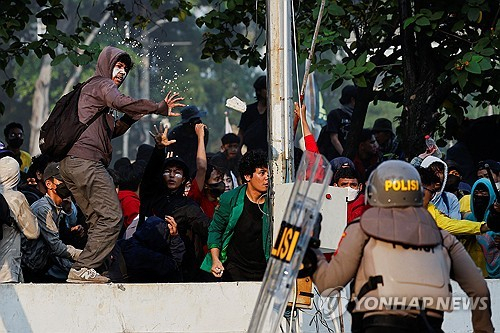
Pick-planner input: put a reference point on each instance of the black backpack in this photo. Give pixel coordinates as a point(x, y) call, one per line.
point(63, 127)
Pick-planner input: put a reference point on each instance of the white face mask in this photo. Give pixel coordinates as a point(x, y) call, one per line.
point(352, 194)
point(121, 71)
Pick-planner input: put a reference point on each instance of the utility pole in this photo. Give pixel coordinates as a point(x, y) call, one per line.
point(279, 92)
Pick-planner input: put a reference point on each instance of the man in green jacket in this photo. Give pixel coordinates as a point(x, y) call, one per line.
point(239, 237)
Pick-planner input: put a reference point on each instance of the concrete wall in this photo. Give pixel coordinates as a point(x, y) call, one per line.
point(209, 307)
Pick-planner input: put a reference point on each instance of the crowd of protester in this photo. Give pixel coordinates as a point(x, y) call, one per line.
point(189, 215)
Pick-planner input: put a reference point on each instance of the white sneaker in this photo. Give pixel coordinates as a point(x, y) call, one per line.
point(85, 275)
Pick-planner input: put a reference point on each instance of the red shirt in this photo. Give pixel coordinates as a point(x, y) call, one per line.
point(206, 205)
point(356, 208)
point(311, 144)
point(130, 203)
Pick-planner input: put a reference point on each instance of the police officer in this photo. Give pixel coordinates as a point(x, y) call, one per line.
point(401, 262)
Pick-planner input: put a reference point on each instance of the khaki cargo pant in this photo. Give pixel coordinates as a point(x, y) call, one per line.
point(94, 192)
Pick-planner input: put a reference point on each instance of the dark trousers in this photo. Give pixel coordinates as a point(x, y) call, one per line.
point(234, 273)
point(94, 192)
point(396, 324)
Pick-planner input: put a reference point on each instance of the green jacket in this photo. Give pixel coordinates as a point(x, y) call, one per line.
point(226, 216)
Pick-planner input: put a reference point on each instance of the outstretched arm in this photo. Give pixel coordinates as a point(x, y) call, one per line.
point(152, 179)
point(201, 156)
point(300, 114)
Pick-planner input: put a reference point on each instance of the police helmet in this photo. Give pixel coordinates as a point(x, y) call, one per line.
point(394, 184)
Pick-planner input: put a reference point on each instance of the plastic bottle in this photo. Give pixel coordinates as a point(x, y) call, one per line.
point(431, 144)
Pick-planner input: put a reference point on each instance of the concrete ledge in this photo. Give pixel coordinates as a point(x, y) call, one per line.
point(208, 307)
point(195, 307)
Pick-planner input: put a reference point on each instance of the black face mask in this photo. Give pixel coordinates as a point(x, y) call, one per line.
point(480, 205)
point(63, 191)
point(216, 189)
point(452, 183)
point(16, 143)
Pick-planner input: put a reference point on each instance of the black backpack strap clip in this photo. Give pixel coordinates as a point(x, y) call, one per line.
point(371, 284)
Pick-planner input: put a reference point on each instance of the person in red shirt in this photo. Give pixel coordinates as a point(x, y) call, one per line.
point(208, 184)
point(128, 191)
point(300, 116)
point(347, 177)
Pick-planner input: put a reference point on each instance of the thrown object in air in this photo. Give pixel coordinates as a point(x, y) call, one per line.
point(236, 104)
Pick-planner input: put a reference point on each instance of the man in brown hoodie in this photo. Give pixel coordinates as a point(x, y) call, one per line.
point(84, 169)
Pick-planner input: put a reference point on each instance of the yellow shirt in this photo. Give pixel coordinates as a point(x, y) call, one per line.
point(465, 204)
point(454, 227)
point(26, 161)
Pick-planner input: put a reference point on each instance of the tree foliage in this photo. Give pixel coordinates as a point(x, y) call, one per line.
point(429, 57)
point(174, 49)
point(18, 43)
point(425, 56)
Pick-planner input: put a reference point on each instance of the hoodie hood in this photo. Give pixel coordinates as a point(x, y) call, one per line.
point(9, 174)
point(426, 162)
point(492, 198)
point(154, 235)
point(107, 60)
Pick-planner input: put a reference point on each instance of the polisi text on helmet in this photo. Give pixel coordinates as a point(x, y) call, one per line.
point(402, 185)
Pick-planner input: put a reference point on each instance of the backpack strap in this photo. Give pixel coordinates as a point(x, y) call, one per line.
point(371, 284)
point(98, 113)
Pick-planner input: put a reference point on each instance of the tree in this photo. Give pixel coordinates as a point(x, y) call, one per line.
point(59, 44)
point(428, 56)
point(178, 67)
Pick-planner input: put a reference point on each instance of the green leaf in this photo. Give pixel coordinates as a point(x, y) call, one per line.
point(458, 26)
point(408, 21)
point(375, 29)
point(57, 60)
point(52, 44)
point(426, 12)
point(481, 44)
point(462, 79)
point(437, 15)
point(19, 60)
point(370, 66)
point(84, 59)
point(335, 9)
point(485, 64)
point(473, 68)
point(73, 58)
point(336, 84)
point(358, 70)
point(423, 21)
point(9, 86)
point(476, 58)
point(362, 59)
point(468, 56)
point(231, 5)
point(340, 69)
point(360, 82)
point(487, 52)
point(350, 64)
point(473, 14)
point(327, 84)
